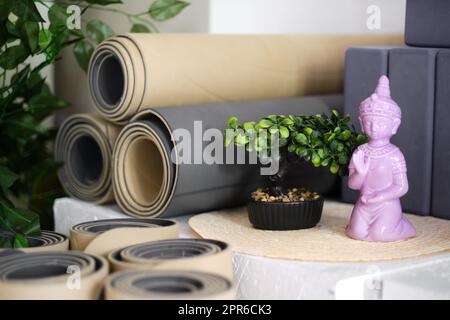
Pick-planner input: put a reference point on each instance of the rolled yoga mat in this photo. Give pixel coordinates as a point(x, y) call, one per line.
point(147, 183)
point(52, 275)
point(203, 255)
point(100, 237)
point(167, 285)
point(133, 72)
point(84, 144)
point(46, 241)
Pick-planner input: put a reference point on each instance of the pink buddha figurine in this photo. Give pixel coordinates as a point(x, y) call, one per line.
point(378, 170)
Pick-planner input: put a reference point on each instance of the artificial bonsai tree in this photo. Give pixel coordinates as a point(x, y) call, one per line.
point(326, 141)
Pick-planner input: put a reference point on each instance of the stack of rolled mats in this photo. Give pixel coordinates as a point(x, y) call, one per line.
point(150, 90)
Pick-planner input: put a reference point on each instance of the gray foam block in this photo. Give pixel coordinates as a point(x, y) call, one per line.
point(363, 68)
point(412, 78)
point(440, 203)
point(427, 23)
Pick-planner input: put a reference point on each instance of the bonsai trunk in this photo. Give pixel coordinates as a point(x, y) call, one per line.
point(275, 187)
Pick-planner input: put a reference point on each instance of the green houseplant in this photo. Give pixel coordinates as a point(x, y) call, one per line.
point(28, 45)
point(322, 140)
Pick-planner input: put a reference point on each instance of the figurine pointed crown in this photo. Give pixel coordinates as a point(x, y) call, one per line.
point(380, 102)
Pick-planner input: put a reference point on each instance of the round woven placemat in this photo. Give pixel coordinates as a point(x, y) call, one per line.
point(326, 242)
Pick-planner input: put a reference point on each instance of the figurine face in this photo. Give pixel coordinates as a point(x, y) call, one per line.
point(379, 127)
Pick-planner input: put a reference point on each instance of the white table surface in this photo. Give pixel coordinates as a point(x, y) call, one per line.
point(266, 278)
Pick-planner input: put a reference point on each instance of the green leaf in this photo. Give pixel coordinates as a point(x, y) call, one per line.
point(5, 9)
point(321, 153)
point(46, 103)
point(287, 122)
point(315, 159)
point(227, 141)
point(284, 132)
point(334, 114)
point(83, 51)
point(27, 11)
point(343, 159)
point(345, 135)
point(162, 10)
point(249, 126)
point(292, 147)
point(45, 37)
point(13, 29)
point(265, 123)
point(241, 140)
point(361, 138)
point(98, 31)
point(301, 138)
point(20, 241)
point(139, 28)
point(334, 168)
point(233, 122)
point(274, 129)
point(308, 131)
point(57, 15)
point(26, 124)
point(30, 35)
point(331, 137)
point(334, 145)
point(21, 76)
point(3, 33)
point(301, 152)
point(22, 221)
point(13, 56)
point(325, 162)
point(7, 177)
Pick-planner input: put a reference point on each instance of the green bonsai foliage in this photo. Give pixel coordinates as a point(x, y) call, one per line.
point(323, 140)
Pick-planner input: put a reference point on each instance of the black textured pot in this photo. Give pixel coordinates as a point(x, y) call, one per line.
point(285, 215)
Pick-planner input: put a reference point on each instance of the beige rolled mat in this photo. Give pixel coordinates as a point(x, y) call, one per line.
point(100, 237)
point(167, 285)
point(57, 275)
point(203, 255)
point(84, 144)
point(46, 241)
point(132, 72)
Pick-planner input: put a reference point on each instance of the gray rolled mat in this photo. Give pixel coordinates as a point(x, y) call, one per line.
point(203, 255)
point(8, 252)
point(441, 154)
point(102, 236)
point(147, 183)
point(84, 144)
point(52, 275)
point(164, 285)
point(46, 241)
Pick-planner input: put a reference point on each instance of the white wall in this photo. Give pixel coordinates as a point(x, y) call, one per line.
point(303, 16)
